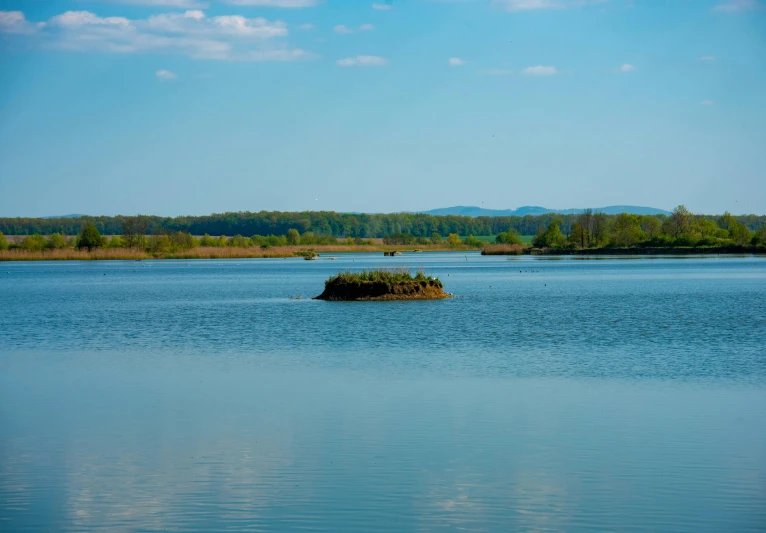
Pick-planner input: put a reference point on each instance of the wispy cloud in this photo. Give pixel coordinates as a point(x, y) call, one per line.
point(306, 27)
point(707, 58)
point(707, 102)
point(627, 67)
point(275, 3)
point(496, 72)
point(363, 61)
point(179, 4)
point(165, 75)
point(535, 5)
point(539, 71)
point(190, 33)
point(731, 6)
point(456, 62)
point(342, 29)
point(382, 7)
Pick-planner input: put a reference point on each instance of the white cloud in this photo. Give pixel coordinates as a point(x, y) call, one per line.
point(707, 102)
point(190, 33)
point(363, 61)
point(627, 67)
point(180, 4)
point(15, 22)
point(534, 5)
point(258, 27)
point(306, 27)
point(165, 75)
point(86, 18)
point(731, 6)
point(707, 58)
point(382, 7)
point(496, 72)
point(275, 3)
point(540, 71)
point(455, 61)
point(345, 30)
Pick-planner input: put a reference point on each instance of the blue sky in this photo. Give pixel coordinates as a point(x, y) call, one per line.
point(177, 107)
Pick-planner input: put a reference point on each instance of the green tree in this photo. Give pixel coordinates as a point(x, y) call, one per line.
point(56, 241)
point(551, 237)
point(600, 229)
point(34, 243)
point(759, 237)
point(293, 237)
point(587, 223)
point(159, 243)
point(579, 235)
point(679, 222)
point(509, 237)
point(182, 240)
point(627, 230)
point(207, 240)
point(3, 242)
point(739, 233)
point(707, 228)
point(649, 225)
point(436, 238)
point(453, 240)
point(117, 242)
point(238, 241)
point(473, 242)
point(89, 237)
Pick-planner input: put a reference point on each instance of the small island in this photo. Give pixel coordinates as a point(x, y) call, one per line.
point(382, 284)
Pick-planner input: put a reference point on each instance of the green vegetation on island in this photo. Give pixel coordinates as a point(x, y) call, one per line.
point(382, 284)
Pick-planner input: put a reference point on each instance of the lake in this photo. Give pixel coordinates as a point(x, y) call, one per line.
point(551, 394)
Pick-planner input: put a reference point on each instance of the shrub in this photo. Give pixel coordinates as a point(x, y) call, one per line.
point(453, 240)
point(34, 243)
point(509, 237)
point(56, 241)
point(293, 237)
point(473, 242)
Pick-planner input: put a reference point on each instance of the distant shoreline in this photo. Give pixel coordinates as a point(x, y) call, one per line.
point(327, 252)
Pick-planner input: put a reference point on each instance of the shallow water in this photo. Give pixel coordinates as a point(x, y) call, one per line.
point(548, 395)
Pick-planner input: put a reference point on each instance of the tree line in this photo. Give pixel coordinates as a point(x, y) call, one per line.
point(680, 229)
point(588, 230)
point(324, 223)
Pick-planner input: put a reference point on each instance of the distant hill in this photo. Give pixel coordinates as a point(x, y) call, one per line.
point(65, 216)
point(473, 211)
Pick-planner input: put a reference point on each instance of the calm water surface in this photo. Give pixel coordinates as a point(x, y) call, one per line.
point(548, 395)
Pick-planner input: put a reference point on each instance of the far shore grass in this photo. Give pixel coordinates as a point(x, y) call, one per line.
point(212, 252)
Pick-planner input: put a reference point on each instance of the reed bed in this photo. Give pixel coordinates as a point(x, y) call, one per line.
point(210, 252)
point(503, 249)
